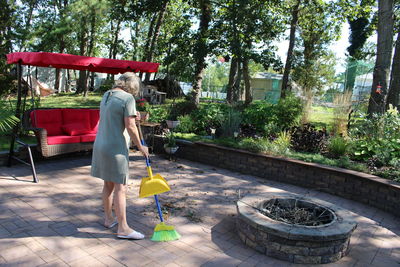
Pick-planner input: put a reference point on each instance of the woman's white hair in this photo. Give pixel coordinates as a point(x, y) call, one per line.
point(130, 83)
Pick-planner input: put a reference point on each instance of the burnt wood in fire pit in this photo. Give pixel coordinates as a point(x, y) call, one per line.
point(295, 228)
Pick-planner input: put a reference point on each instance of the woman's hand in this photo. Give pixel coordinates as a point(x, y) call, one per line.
point(145, 151)
point(138, 116)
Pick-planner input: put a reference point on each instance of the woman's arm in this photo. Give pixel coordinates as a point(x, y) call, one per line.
point(130, 125)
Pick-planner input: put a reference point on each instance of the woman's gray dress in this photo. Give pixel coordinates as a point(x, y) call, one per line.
point(110, 160)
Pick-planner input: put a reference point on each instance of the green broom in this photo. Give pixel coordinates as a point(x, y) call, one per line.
point(163, 232)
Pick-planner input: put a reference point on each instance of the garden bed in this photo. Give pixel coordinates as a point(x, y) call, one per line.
point(365, 188)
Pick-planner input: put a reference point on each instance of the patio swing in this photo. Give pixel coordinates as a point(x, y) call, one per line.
point(61, 61)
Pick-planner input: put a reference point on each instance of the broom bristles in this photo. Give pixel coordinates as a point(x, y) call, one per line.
point(164, 232)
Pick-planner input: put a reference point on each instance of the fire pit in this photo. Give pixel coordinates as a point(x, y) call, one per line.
point(294, 228)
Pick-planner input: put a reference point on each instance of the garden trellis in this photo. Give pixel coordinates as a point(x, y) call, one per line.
point(65, 61)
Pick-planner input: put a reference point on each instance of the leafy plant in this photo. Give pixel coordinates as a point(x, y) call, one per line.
point(170, 139)
point(337, 146)
point(255, 145)
point(230, 123)
point(307, 138)
point(186, 125)
point(282, 142)
point(377, 136)
point(285, 114)
point(208, 116)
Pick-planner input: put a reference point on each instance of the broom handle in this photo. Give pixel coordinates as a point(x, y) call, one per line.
point(144, 144)
point(150, 173)
point(158, 208)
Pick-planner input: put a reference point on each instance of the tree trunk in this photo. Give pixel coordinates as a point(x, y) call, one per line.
point(81, 86)
point(236, 87)
point(29, 16)
point(383, 57)
point(394, 89)
point(246, 78)
point(149, 37)
point(351, 75)
point(201, 49)
point(292, 38)
point(233, 71)
point(154, 39)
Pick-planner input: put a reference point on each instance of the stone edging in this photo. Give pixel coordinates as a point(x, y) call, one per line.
point(365, 188)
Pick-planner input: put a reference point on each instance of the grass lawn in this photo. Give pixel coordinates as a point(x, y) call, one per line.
point(5, 141)
point(321, 117)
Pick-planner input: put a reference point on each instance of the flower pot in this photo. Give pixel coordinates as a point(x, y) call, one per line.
point(170, 150)
point(172, 124)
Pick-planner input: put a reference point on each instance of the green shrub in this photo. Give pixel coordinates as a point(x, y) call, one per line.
point(158, 113)
point(337, 146)
point(208, 115)
point(378, 136)
point(288, 111)
point(259, 113)
point(285, 114)
point(186, 125)
point(255, 145)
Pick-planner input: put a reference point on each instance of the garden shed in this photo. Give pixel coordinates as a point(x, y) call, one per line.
point(266, 86)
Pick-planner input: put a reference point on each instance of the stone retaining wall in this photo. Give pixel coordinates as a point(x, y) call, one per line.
point(365, 188)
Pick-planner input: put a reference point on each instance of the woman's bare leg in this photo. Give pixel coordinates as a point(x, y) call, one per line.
point(107, 196)
point(120, 209)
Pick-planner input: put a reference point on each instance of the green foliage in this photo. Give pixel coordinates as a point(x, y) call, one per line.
point(288, 111)
point(337, 146)
point(170, 139)
point(255, 145)
point(262, 114)
point(377, 136)
point(208, 115)
point(158, 113)
point(282, 143)
point(186, 124)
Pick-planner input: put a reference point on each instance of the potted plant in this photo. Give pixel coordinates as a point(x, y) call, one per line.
point(170, 146)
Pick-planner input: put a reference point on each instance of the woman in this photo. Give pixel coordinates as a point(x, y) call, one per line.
point(110, 152)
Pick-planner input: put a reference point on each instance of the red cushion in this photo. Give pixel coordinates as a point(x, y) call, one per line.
point(88, 138)
point(62, 139)
point(76, 128)
point(76, 115)
point(49, 119)
point(94, 119)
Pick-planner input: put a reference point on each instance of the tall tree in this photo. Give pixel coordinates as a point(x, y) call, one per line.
point(289, 56)
point(394, 89)
point(314, 62)
point(156, 33)
point(381, 73)
point(361, 28)
point(201, 49)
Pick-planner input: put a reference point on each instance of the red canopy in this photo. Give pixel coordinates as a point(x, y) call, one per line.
point(93, 64)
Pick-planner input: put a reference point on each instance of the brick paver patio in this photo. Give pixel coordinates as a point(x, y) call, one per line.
point(58, 221)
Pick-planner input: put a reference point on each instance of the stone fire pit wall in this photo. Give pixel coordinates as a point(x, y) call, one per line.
point(369, 189)
point(294, 243)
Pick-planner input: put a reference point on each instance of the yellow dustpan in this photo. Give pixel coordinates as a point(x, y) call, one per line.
point(152, 185)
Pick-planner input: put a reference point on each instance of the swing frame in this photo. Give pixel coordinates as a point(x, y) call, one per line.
point(62, 61)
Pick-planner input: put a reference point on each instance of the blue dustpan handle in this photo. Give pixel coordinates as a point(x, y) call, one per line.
point(147, 159)
point(155, 196)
